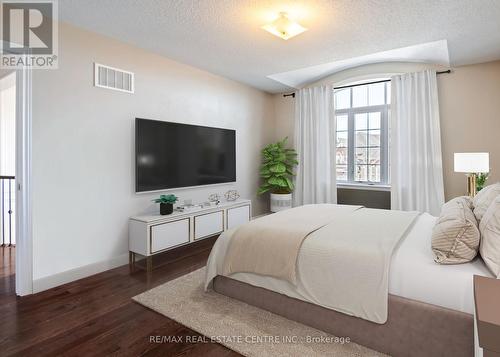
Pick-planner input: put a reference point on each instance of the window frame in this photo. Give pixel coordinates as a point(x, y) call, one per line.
point(383, 109)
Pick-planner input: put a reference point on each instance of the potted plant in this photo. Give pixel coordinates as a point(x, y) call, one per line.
point(166, 203)
point(277, 174)
point(481, 180)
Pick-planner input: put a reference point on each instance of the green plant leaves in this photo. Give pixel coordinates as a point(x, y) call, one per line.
point(277, 168)
point(166, 199)
point(481, 181)
point(264, 189)
point(277, 181)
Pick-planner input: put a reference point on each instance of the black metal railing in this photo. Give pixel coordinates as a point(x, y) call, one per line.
point(7, 197)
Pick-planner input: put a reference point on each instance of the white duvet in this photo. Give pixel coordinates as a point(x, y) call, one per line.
point(343, 266)
point(413, 273)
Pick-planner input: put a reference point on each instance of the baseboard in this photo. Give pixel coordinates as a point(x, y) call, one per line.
point(261, 215)
point(68, 276)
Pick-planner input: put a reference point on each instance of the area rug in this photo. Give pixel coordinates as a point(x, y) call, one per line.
point(243, 328)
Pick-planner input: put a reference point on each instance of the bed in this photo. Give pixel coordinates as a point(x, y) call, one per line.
point(429, 306)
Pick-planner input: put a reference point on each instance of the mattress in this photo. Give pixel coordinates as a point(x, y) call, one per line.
point(413, 274)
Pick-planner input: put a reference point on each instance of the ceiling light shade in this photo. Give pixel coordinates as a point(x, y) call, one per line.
point(283, 27)
point(472, 162)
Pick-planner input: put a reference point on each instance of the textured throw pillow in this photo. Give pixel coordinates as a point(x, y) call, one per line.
point(484, 198)
point(490, 237)
point(455, 236)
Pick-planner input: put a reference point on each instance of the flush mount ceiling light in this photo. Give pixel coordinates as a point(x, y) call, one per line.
point(283, 27)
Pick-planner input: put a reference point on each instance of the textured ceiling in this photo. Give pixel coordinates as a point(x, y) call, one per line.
point(224, 36)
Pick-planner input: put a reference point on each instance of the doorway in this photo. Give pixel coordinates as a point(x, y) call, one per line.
point(8, 103)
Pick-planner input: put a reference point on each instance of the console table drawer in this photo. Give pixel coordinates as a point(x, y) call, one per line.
point(238, 216)
point(170, 234)
point(207, 225)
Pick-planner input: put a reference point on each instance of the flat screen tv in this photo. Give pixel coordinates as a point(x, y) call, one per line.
point(172, 155)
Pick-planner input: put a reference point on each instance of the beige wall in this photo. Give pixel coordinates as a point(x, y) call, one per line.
point(469, 106)
point(469, 100)
point(83, 145)
point(284, 116)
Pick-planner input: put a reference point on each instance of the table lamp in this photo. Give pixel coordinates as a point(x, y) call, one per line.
point(472, 163)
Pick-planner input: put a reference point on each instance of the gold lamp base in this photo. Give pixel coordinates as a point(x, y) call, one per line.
point(471, 185)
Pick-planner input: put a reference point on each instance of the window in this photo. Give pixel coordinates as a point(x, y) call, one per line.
point(362, 133)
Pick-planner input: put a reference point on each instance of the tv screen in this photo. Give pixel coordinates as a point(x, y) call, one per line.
point(173, 155)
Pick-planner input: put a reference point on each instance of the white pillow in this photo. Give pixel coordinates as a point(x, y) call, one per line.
point(484, 198)
point(490, 237)
point(455, 236)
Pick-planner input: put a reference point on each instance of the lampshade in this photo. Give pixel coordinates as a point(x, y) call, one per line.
point(472, 162)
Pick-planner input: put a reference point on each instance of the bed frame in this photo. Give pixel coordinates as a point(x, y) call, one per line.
point(413, 328)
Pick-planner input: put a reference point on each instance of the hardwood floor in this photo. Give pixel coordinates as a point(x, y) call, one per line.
point(7, 277)
point(7, 261)
point(95, 316)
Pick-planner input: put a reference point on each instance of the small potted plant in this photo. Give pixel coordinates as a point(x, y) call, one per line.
point(481, 180)
point(277, 173)
point(166, 203)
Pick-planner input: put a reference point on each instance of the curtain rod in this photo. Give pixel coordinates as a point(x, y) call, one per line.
point(362, 84)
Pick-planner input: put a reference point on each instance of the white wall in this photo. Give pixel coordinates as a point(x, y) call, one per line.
point(83, 144)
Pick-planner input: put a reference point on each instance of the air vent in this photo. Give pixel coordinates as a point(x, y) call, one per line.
point(113, 78)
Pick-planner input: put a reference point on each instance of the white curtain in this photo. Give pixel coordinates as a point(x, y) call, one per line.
point(315, 144)
point(416, 161)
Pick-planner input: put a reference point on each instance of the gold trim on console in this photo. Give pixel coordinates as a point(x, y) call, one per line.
point(174, 246)
point(243, 205)
point(211, 234)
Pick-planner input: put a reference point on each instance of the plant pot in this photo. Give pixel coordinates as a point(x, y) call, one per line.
point(166, 208)
point(280, 201)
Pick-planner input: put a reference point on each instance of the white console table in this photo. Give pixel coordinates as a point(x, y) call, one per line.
point(150, 235)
